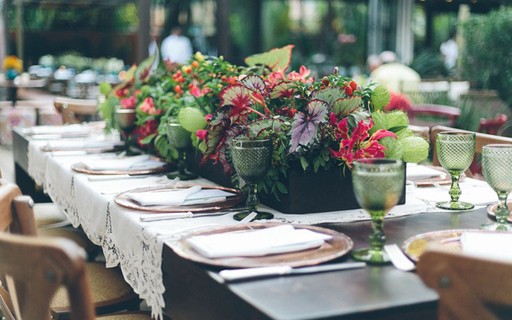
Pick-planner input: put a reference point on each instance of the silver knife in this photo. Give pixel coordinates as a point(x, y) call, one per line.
point(249, 273)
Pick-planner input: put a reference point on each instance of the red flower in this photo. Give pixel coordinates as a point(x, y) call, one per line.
point(398, 102)
point(201, 134)
point(359, 144)
point(148, 128)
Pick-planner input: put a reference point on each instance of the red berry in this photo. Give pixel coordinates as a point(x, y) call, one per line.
point(353, 85)
point(349, 91)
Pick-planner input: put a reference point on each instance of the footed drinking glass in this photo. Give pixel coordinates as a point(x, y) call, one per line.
point(124, 120)
point(455, 151)
point(252, 160)
point(378, 185)
point(180, 139)
point(496, 165)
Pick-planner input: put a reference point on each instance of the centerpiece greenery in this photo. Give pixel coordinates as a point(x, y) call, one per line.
point(314, 124)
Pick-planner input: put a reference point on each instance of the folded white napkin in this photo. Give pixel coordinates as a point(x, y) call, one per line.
point(272, 240)
point(79, 145)
point(488, 245)
point(72, 129)
point(165, 198)
point(142, 162)
point(419, 172)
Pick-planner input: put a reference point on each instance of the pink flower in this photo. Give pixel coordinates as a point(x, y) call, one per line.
point(128, 103)
point(148, 107)
point(208, 117)
point(302, 75)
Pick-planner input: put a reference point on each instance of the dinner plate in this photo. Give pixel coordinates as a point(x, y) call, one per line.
point(338, 246)
point(82, 168)
point(124, 200)
point(491, 211)
point(445, 240)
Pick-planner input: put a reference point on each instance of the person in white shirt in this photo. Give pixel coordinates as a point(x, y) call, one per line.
point(176, 48)
point(450, 52)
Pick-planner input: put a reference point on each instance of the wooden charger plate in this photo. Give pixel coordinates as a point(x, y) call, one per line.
point(446, 240)
point(123, 200)
point(338, 246)
point(82, 168)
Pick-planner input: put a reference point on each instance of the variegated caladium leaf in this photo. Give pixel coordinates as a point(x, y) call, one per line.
point(329, 95)
point(276, 59)
point(346, 106)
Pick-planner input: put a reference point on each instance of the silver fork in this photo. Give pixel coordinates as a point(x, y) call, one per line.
point(398, 258)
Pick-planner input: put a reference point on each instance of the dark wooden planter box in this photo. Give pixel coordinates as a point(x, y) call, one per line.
point(308, 192)
point(326, 190)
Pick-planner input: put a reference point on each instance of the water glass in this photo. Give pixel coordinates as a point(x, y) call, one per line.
point(378, 186)
point(455, 151)
point(496, 165)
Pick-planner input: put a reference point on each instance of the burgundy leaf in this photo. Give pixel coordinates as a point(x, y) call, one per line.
point(304, 127)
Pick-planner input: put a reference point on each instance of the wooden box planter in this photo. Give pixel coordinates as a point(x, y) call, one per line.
point(308, 192)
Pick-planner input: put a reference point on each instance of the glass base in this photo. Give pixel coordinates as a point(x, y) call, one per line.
point(183, 176)
point(261, 215)
point(371, 256)
point(496, 227)
point(449, 205)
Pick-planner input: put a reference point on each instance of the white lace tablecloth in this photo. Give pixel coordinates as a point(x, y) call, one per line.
point(137, 246)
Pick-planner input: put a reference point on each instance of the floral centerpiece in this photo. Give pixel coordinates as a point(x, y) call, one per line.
point(13, 66)
point(314, 125)
point(188, 92)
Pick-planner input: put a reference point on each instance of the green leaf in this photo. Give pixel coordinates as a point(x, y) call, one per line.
point(304, 163)
point(281, 187)
point(275, 59)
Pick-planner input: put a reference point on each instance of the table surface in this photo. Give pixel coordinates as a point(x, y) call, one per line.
point(194, 291)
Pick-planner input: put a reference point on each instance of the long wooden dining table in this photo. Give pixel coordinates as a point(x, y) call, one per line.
point(184, 289)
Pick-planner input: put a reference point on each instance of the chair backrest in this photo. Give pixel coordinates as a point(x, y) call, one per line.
point(468, 288)
point(482, 139)
point(493, 125)
point(33, 268)
point(76, 110)
point(433, 113)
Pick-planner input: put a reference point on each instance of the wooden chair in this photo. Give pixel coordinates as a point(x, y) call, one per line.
point(51, 221)
point(493, 125)
point(109, 292)
point(468, 288)
point(76, 110)
point(482, 139)
point(432, 114)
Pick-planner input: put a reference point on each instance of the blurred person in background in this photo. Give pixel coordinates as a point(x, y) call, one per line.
point(450, 51)
point(176, 48)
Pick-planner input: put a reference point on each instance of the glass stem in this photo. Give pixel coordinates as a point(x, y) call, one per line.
point(377, 238)
point(182, 162)
point(252, 197)
point(502, 210)
point(454, 188)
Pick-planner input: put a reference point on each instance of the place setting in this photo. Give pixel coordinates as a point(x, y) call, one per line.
point(120, 165)
point(489, 239)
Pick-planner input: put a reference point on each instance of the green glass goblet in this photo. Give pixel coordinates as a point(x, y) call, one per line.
point(455, 151)
point(378, 185)
point(252, 160)
point(496, 164)
point(181, 140)
point(124, 120)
